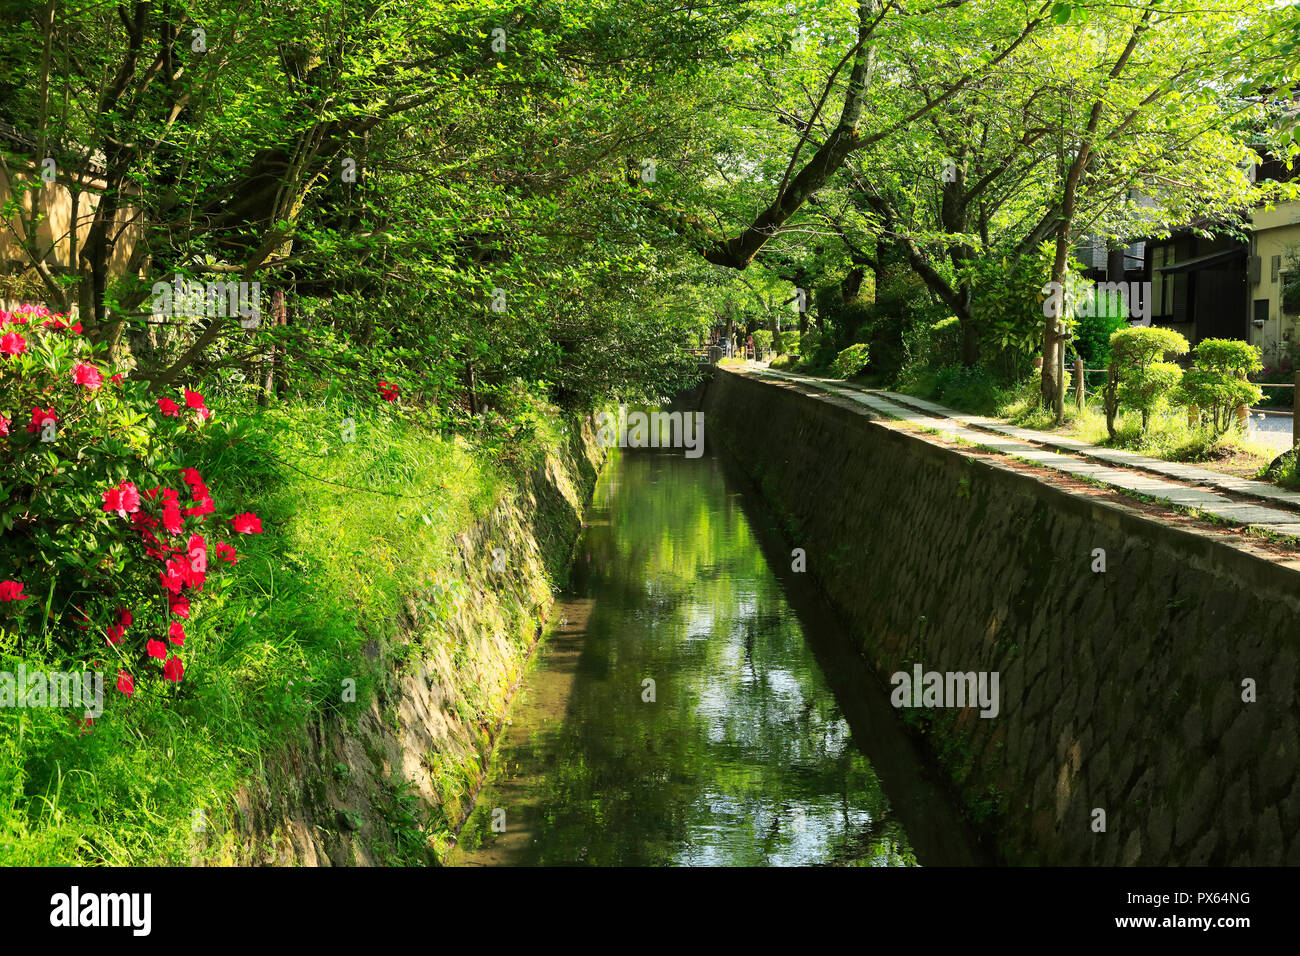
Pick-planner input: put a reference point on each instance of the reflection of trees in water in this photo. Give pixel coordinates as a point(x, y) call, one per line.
point(744, 758)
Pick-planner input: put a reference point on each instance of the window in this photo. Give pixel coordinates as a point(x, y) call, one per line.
point(1162, 283)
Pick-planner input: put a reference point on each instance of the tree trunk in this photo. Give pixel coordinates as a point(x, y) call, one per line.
point(282, 355)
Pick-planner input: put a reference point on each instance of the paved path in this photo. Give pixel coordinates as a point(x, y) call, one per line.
point(1271, 428)
point(1168, 481)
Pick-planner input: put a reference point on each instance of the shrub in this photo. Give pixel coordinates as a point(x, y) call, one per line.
point(969, 388)
point(851, 361)
point(810, 343)
point(930, 345)
point(1138, 377)
point(763, 341)
point(785, 343)
point(1217, 384)
point(93, 523)
point(1092, 334)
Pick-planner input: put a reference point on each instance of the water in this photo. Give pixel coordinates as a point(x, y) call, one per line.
point(746, 754)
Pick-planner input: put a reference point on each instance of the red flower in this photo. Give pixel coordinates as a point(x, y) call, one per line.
point(88, 376)
point(40, 417)
point(225, 552)
point(173, 669)
point(173, 579)
point(205, 507)
point(169, 407)
point(156, 649)
point(125, 683)
point(194, 579)
point(77, 328)
point(191, 477)
point(247, 523)
point(123, 499)
point(176, 632)
point(117, 378)
point(142, 520)
point(11, 343)
point(198, 552)
point(389, 392)
point(153, 547)
point(170, 494)
point(180, 606)
point(172, 518)
point(116, 631)
point(195, 401)
point(4, 425)
point(12, 591)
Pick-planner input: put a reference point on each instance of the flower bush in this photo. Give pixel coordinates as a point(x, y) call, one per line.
point(102, 522)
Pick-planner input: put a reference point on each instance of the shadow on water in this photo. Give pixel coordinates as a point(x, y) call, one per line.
point(697, 703)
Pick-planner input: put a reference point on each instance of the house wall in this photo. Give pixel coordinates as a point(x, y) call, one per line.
point(1277, 231)
point(55, 230)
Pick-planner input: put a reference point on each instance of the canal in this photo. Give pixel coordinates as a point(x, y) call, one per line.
point(695, 703)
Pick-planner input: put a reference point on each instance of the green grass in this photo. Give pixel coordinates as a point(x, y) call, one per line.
point(1168, 437)
point(351, 529)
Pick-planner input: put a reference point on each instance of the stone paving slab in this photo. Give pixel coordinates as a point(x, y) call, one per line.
point(1026, 444)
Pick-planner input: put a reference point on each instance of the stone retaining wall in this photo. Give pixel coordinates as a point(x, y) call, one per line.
point(1120, 691)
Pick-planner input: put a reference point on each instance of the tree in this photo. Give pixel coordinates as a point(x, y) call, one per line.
point(1138, 376)
point(1217, 383)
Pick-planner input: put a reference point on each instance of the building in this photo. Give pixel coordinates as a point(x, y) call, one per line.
point(1274, 273)
point(57, 215)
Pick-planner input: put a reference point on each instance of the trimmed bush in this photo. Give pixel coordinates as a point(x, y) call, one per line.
point(1138, 375)
point(1217, 384)
point(851, 361)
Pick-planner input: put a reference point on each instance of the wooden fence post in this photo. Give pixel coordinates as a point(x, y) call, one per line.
point(1295, 406)
point(1078, 384)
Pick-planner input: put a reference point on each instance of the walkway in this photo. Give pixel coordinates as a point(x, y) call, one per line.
point(1182, 485)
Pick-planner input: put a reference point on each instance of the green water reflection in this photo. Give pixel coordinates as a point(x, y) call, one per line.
point(743, 758)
